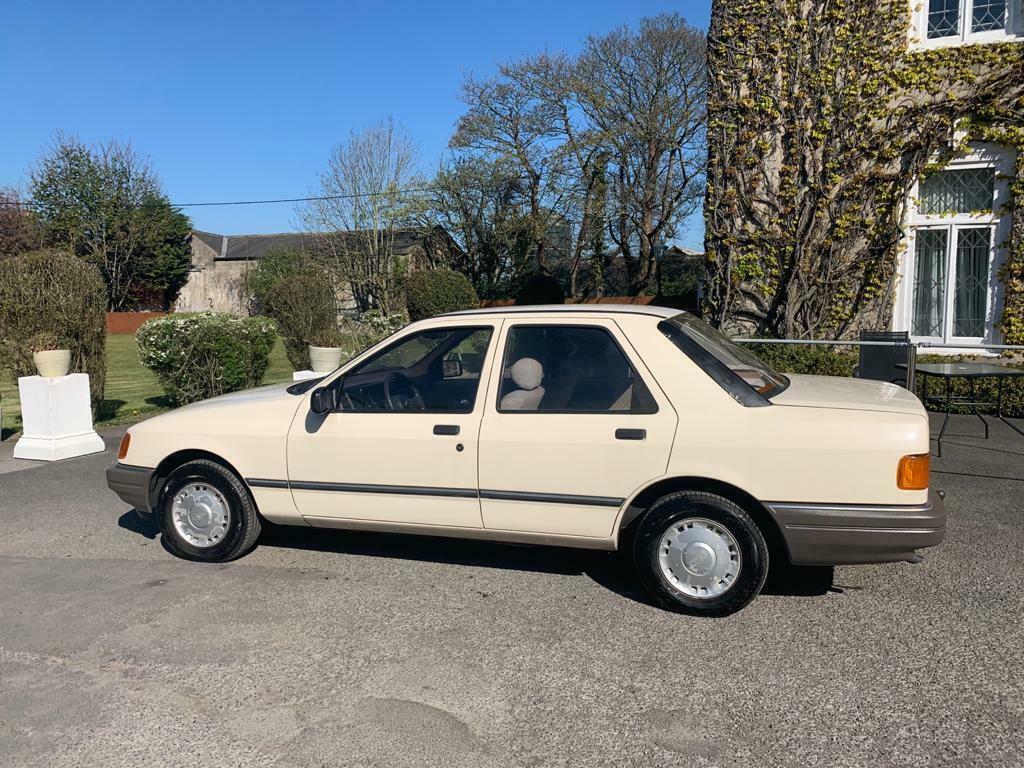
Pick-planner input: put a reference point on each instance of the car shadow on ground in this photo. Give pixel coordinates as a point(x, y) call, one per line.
point(610, 570)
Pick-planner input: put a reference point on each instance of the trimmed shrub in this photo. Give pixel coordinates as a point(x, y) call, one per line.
point(54, 294)
point(540, 288)
point(200, 355)
point(305, 309)
point(274, 265)
point(436, 291)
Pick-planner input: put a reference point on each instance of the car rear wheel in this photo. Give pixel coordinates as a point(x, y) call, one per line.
point(206, 513)
point(700, 553)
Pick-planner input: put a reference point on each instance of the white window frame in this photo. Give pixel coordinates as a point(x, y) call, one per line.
point(1002, 160)
point(919, 39)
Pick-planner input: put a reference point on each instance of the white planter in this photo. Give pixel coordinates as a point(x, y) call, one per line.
point(324, 359)
point(52, 362)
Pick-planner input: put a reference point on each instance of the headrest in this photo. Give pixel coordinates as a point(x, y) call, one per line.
point(527, 373)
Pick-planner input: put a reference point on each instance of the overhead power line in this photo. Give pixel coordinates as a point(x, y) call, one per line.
point(317, 198)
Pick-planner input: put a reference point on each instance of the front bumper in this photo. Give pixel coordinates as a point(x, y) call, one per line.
point(850, 534)
point(131, 484)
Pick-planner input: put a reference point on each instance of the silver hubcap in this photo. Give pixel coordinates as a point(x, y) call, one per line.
point(201, 515)
point(699, 557)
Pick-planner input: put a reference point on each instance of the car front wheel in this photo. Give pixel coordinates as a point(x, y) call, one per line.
point(700, 553)
point(206, 513)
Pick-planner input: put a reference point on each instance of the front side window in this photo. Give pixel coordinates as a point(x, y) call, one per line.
point(946, 21)
point(433, 371)
point(738, 370)
point(569, 369)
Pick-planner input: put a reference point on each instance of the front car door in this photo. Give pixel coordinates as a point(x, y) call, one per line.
point(402, 445)
point(574, 424)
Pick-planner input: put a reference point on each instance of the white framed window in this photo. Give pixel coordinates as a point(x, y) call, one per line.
point(955, 22)
point(956, 230)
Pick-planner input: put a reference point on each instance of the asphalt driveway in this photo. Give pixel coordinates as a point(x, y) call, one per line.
point(344, 649)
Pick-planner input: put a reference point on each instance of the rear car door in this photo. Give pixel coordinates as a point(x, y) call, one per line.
point(574, 423)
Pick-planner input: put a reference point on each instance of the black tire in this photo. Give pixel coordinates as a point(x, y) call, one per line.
point(243, 527)
point(675, 509)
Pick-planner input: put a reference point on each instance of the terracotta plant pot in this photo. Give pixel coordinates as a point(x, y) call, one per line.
point(324, 359)
point(52, 362)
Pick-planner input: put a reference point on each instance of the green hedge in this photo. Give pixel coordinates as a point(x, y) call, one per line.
point(59, 296)
point(434, 292)
point(202, 355)
point(814, 360)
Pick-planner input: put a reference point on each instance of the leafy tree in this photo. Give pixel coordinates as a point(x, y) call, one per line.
point(479, 203)
point(18, 230)
point(105, 205)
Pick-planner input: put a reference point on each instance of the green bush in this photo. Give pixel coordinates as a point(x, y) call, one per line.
point(436, 291)
point(366, 330)
point(540, 288)
point(305, 309)
point(54, 294)
point(200, 355)
point(815, 360)
point(275, 264)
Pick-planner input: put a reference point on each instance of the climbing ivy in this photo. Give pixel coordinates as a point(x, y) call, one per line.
point(822, 116)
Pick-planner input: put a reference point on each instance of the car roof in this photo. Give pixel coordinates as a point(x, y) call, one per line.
point(574, 309)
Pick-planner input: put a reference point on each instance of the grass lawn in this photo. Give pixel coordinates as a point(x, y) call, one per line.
point(132, 391)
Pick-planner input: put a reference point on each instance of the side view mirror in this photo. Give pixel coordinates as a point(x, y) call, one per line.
point(323, 400)
point(451, 369)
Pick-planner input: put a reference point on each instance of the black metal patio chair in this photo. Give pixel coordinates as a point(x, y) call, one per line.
point(885, 363)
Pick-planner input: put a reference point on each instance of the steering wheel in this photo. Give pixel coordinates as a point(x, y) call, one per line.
point(402, 394)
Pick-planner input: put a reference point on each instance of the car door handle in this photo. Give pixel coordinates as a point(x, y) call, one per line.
point(446, 429)
point(630, 434)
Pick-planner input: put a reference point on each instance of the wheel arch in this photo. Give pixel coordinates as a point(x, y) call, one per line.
point(646, 497)
point(178, 458)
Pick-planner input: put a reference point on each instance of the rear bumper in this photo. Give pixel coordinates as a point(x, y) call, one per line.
point(131, 484)
point(848, 534)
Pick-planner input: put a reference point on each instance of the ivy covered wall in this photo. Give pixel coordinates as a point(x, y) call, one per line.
point(821, 118)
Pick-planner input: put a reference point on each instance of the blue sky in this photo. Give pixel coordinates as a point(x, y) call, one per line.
point(236, 101)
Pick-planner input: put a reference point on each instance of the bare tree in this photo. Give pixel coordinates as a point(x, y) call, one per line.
point(366, 195)
point(510, 123)
point(644, 94)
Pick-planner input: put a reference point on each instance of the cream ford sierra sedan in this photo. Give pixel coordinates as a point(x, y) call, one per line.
point(590, 426)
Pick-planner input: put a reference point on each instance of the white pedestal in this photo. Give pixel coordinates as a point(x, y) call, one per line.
point(56, 418)
point(306, 375)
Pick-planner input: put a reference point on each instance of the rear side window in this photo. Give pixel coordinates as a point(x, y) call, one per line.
point(569, 369)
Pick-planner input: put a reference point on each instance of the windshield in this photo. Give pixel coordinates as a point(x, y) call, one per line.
point(747, 366)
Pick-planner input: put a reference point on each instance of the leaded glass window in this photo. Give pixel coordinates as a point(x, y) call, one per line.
point(973, 245)
point(943, 18)
point(930, 282)
point(968, 190)
point(988, 15)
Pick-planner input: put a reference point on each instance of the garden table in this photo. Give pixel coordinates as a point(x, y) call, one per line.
point(971, 372)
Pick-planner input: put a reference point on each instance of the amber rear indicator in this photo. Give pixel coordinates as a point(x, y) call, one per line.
point(122, 451)
point(912, 474)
